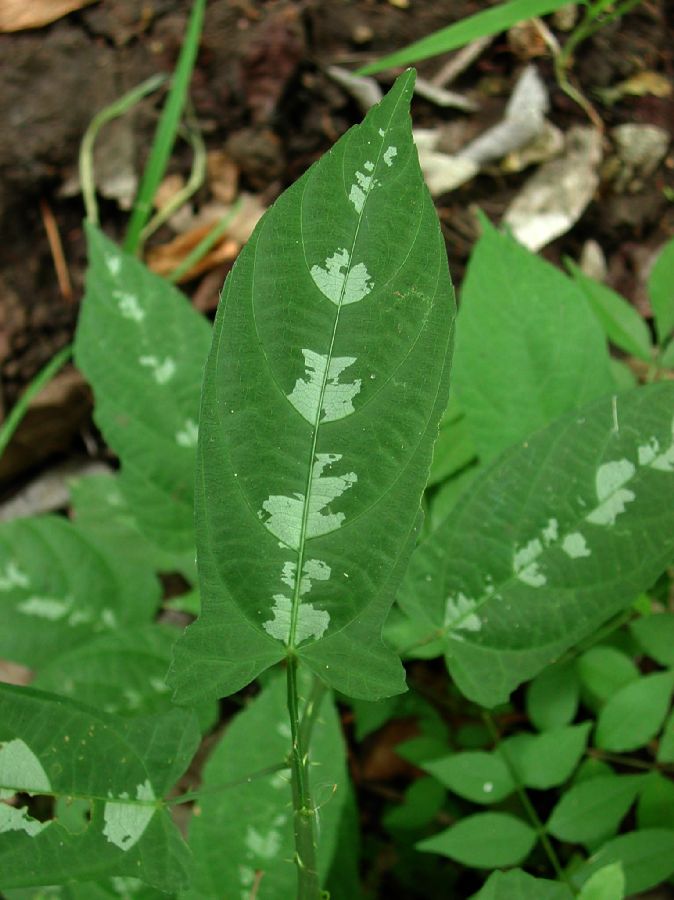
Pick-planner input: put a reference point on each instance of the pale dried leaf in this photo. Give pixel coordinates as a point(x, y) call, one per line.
point(17, 15)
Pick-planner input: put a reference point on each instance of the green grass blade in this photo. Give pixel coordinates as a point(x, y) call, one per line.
point(167, 129)
point(490, 21)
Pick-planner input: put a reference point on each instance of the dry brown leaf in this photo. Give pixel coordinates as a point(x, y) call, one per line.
point(167, 257)
point(223, 176)
point(18, 15)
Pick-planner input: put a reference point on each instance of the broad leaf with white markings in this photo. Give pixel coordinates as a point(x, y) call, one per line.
point(326, 380)
point(122, 768)
point(556, 536)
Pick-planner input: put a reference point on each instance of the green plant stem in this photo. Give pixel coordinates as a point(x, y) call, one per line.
point(527, 804)
point(20, 408)
point(196, 179)
point(86, 157)
point(189, 796)
point(304, 815)
point(205, 244)
point(167, 129)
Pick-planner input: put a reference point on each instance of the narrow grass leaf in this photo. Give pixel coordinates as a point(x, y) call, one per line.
point(549, 542)
point(634, 715)
point(647, 858)
point(322, 396)
point(253, 820)
point(484, 841)
point(623, 325)
point(122, 768)
point(593, 809)
point(142, 346)
point(528, 348)
point(60, 588)
point(487, 22)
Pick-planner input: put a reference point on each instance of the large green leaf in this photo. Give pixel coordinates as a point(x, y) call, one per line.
point(59, 587)
point(593, 809)
point(528, 348)
point(485, 841)
point(122, 767)
point(252, 821)
point(322, 395)
point(142, 347)
point(121, 672)
point(554, 538)
point(661, 289)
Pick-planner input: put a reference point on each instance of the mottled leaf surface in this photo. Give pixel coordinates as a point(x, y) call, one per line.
point(528, 347)
point(142, 347)
point(253, 820)
point(59, 588)
point(322, 395)
point(122, 768)
point(554, 538)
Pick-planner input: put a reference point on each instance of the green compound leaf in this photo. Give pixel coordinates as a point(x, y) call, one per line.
point(655, 808)
point(322, 396)
point(545, 760)
point(606, 884)
point(647, 858)
point(553, 696)
point(661, 290)
point(635, 713)
point(519, 885)
point(666, 746)
point(528, 348)
point(248, 829)
point(623, 325)
point(121, 767)
point(142, 346)
point(478, 776)
point(655, 635)
point(603, 671)
point(554, 538)
point(592, 809)
point(59, 588)
point(484, 841)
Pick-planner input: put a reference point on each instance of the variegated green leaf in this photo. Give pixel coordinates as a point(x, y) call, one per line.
point(121, 767)
point(322, 395)
point(556, 536)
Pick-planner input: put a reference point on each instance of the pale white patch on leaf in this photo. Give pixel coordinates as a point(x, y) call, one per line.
point(12, 577)
point(263, 845)
point(381, 132)
point(159, 685)
point(460, 614)
point(336, 402)
point(162, 370)
point(575, 545)
point(285, 514)
point(362, 187)
point(188, 435)
point(339, 283)
point(311, 622)
point(525, 565)
point(612, 494)
point(21, 770)
point(129, 306)
point(550, 532)
point(648, 452)
point(389, 155)
point(51, 608)
point(665, 461)
point(113, 263)
point(13, 819)
point(125, 822)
